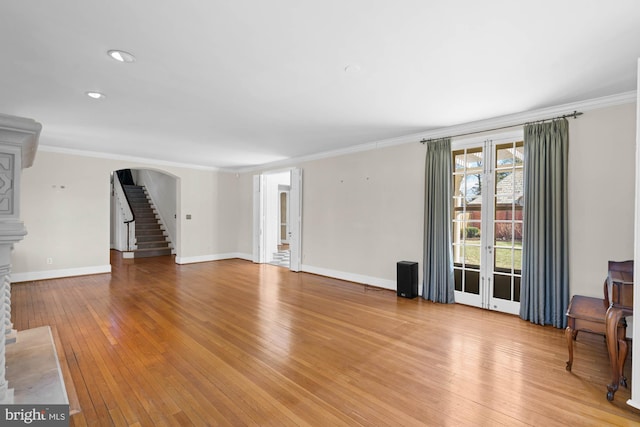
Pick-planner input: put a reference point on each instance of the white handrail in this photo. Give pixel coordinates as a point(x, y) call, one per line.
point(129, 217)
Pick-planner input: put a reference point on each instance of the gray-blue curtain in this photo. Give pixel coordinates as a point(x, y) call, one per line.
point(544, 294)
point(438, 282)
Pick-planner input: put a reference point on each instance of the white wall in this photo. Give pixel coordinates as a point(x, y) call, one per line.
point(361, 213)
point(227, 216)
point(601, 194)
point(71, 225)
point(244, 214)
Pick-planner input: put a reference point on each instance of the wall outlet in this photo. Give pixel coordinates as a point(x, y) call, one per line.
point(49, 261)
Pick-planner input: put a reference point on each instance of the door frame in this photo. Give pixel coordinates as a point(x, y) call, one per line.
point(485, 297)
point(295, 217)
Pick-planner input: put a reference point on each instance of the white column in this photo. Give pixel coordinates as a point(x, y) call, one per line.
point(5, 396)
point(4, 387)
point(10, 333)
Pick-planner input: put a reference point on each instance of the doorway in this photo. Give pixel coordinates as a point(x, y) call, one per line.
point(277, 220)
point(144, 207)
point(487, 222)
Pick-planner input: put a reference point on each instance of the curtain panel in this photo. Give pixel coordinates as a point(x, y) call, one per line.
point(438, 282)
point(545, 255)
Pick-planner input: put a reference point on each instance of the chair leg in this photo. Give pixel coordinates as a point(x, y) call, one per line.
point(570, 334)
point(623, 349)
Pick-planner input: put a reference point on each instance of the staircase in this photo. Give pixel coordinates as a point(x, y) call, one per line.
point(281, 258)
point(150, 238)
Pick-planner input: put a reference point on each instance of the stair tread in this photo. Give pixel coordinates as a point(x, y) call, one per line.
point(143, 253)
point(149, 249)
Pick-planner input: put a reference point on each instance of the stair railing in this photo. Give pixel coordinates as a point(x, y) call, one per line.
point(127, 211)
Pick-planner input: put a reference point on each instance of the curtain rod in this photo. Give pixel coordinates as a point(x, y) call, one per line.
point(575, 115)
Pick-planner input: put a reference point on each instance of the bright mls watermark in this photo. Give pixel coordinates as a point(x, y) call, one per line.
point(34, 415)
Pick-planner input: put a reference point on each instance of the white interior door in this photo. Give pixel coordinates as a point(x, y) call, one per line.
point(295, 219)
point(259, 254)
point(283, 215)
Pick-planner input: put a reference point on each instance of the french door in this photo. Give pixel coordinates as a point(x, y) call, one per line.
point(487, 222)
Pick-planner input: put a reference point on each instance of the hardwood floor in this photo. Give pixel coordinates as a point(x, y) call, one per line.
point(234, 343)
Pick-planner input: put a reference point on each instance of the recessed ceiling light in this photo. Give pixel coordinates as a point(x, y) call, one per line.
point(352, 69)
point(96, 95)
point(121, 56)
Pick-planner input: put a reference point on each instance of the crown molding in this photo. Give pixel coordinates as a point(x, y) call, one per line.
point(509, 120)
point(132, 159)
point(517, 119)
point(471, 127)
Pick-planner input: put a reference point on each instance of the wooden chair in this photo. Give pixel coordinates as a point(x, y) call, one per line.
point(588, 314)
point(620, 280)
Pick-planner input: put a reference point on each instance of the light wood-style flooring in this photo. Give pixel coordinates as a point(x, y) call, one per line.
point(235, 343)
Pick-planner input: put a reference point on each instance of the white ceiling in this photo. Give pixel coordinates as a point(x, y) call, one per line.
point(246, 82)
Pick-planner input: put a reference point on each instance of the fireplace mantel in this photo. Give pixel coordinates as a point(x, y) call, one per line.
point(18, 145)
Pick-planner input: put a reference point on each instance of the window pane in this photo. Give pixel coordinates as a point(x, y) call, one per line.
point(503, 259)
point(502, 286)
point(458, 253)
point(472, 254)
point(457, 275)
point(504, 155)
point(472, 189)
point(505, 186)
point(458, 161)
point(511, 154)
point(516, 288)
point(472, 231)
point(518, 183)
point(517, 258)
point(461, 216)
point(466, 230)
point(474, 160)
point(458, 188)
point(517, 234)
point(503, 233)
point(519, 153)
point(472, 282)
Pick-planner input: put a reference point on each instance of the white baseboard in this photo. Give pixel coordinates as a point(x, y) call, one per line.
point(351, 277)
point(55, 274)
point(212, 257)
point(634, 403)
point(246, 257)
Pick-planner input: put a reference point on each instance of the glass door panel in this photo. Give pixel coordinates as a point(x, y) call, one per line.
point(468, 183)
point(508, 178)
